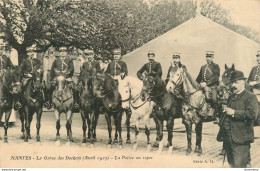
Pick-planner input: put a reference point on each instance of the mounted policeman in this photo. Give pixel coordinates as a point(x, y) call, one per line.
point(254, 82)
point(27, 66)
point(151, 68)
point(208, 78)
point(117, 68)
point(60, 65)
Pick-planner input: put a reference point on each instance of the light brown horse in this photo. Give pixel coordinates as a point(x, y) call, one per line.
point(63, 103)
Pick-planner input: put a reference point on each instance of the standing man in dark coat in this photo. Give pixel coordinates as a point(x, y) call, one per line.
point(241, 111)
point(5, 62)
point(152, 68)
point(254, 82)
point(117, 68)
point(208, 78)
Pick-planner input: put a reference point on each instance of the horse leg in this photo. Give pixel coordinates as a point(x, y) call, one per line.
point(128, 117)
point(198, 130)
point(147, 132)
point(170, 124)
point(136, 133)
point(95, 121)
point(30, 121)
point(84, 126)
point(119, 127)
point(160, 135)
point(68, 126)
point(109, 127)
point(7, 116)
point(91, 125)
point(38, 124)
point(26, 116)
point(156, 143)
point(188, 130)
point(21, 113)
point(116, 128)
point(57, 114)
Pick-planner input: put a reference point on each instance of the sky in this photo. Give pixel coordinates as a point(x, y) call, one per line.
point(244, 12)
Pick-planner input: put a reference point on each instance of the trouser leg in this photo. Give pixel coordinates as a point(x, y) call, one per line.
point(240, 155)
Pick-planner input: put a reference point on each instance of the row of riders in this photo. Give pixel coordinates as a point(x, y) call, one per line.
point(113, 92)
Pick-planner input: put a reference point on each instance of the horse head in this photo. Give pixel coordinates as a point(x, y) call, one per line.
point(15, 78)
point(98, 85)
point(85, 82)
point(37, 78)
point(124, 89)
point(149, 83)
point(175, 78)
point(60, 83)
point(224, 86)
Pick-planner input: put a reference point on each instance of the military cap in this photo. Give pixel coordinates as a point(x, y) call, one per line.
point(30, 49)
point(176, 55)
point(62, 48)
point(117, 51)
point(88, 51)
point(151, 52)
point(258, 54)
point(209, 53)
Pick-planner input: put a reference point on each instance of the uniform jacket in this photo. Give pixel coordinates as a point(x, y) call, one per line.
point(5, 62)
point(245, 105)
point(28, 65)
point(62, 65)
point(209, 73)
point(153, 68)
point(115, 68)
point(90, 66)
point(254, 74)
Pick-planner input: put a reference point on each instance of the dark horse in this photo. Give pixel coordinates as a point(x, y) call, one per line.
point(165, 108)
point(63, 103)
point(195, 108)
point(32, 100)
point(87, 105)
point(10, 87)
point(106, 88)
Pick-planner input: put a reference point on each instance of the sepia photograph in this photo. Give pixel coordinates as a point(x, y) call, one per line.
point(129, 84)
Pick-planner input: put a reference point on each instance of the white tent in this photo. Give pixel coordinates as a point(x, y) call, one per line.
point(192, 39)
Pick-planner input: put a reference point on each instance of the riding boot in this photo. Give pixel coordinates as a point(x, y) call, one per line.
point(17, 102)
point(49, 102)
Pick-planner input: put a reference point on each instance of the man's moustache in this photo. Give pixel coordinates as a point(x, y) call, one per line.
point(233, 88)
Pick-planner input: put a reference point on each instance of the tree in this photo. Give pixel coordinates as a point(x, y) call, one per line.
point(23, 23)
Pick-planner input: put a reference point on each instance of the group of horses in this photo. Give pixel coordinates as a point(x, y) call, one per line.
point(179, 97)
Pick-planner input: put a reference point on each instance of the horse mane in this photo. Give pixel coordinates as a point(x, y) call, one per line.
point(192, 81)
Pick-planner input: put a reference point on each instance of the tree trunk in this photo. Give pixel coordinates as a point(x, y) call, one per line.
point(21, 54)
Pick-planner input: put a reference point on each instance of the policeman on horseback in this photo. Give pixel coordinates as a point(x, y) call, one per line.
point(27, 66)
point(117, 68)
point(254, 82)
point(90, 65)
point(5, 62)
point(208, 78)
point(62, 64)
point(152, 68)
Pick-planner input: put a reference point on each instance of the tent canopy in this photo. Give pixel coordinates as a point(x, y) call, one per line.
point(192, 39)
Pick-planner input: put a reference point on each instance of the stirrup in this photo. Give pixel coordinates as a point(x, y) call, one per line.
point(18, 105)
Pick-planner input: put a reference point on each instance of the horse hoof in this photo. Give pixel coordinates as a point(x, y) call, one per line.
point(95, 139)
point(26, 140)
point(128, 141)
point(135, 146)
point(5, 141)
point(29, 136)
point(109, 142)
point(38, 138)
point(149, 147)
point(115, 141)
point(57, 143)
point(156, 144)
point(84, 141)
point(188, 151)
point(88, 140)
point(22, 136)
point(170, 149)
